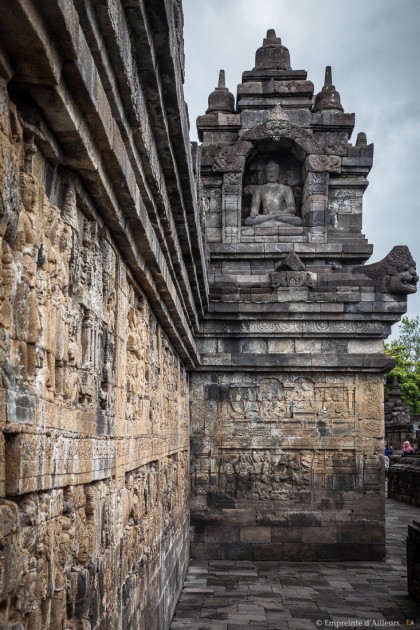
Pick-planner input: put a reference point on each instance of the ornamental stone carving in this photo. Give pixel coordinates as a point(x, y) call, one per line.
point(293, 279)
point(291, 273)
point(272, 203)
point(396, 273)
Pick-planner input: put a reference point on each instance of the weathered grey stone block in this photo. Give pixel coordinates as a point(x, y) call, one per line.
point(255, 534)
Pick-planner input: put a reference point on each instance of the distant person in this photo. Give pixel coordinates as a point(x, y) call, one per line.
point(388, 450)
point(407, 449)
point(387, 455)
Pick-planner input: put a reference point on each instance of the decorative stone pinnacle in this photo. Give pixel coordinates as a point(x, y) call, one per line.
point(272, 55)
point(328, 98)
point(361, 140)
point(278, 113)
point(328, 77)
point(222, 83)
point(292, 262)
point(221, 100)
point(271, 39)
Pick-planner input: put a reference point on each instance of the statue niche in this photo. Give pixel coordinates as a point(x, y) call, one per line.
point(272, 191)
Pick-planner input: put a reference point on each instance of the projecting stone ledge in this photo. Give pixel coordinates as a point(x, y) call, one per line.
point(298, 361)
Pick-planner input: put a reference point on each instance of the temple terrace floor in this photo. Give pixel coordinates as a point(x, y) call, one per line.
point(228, 595)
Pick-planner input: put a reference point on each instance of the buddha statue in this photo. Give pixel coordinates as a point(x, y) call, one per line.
point(276, 200)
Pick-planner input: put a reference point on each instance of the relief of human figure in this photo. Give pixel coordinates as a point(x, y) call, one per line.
point(303, 396)
point(227, 473)
point(8, 284)
point(334, 405)
point(275, 199)
point(27, 238)
point(263, 486)
point(237, 398)
point(270, 398)
point(243, 470)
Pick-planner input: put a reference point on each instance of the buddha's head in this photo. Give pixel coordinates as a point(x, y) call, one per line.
point(272, 172)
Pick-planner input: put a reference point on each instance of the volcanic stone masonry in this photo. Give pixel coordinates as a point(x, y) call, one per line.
point(101, 285)
point(131, 285)
point(287, 407)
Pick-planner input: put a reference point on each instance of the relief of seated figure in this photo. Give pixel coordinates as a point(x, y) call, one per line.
point(276, 200)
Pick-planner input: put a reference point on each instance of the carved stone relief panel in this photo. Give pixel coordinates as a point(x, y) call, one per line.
point(316, 184)
point(231, 207)
point(370, 397)
point(336, 470)
point(313, 420)
point(91, 390)
point(270, 474)
point(293, 279)
point(345, 207)
point(65, 538)
point(137, 361)
point(269, 399)
point(212, 207)
point(274, 474)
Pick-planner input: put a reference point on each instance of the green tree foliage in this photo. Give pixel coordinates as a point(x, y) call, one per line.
point(406, 351)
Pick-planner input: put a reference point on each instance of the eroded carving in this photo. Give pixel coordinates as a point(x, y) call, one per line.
point(396, 273)
point(293, 279)
point(268, 400)
point(212, 200)
point(84, 363)
point(262, 474)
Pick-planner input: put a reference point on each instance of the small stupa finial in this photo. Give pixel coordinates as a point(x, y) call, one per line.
point(328, 77)
point(361, 140)
point(328, 98)
point(272, 55)
point(221, 100)
point(222, 81)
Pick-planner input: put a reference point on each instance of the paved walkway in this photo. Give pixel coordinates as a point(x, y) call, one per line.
point(227, 595)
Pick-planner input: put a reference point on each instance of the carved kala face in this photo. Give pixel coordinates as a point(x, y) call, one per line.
point(405, 280)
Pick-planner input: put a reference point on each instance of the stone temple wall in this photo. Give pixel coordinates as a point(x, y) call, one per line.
point(97, 306)
point(404, 479)
point(286, 467)
point(149, 313)
point(287, 406)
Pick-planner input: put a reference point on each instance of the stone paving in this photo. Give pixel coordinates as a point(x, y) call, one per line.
point(228, 595)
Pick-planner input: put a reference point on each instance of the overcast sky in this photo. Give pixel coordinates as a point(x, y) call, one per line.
point(373, 47)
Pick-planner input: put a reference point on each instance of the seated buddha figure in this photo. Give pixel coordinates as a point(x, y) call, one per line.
point(276, 201)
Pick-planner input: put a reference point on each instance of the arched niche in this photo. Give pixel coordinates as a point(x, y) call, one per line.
point(289, 159)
